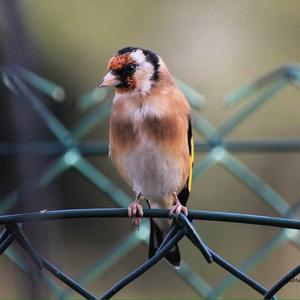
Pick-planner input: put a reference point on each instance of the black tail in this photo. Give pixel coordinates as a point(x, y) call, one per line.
point(155, 240)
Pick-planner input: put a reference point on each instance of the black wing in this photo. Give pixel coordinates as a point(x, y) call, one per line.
point(185, 192)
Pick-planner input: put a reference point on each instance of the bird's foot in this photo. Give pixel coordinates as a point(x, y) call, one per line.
point(135, 211)
point(177, 208)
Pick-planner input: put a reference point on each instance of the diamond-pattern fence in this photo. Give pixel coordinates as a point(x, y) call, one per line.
point(73, 150)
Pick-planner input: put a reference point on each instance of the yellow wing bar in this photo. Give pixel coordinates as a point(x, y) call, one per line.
point(192, 156)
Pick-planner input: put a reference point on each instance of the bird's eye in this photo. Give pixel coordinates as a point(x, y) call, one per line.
point(131, 67)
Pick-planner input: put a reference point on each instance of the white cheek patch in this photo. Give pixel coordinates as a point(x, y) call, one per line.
point(143, 75)
point(138, 56)
point(144, 71)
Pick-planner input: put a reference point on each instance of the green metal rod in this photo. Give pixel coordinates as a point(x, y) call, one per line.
point(45, 86)
point(67, 280)
point(253, 106)
point(282, 282)
point(246, 90)
point(258, 256)
point(150, 213)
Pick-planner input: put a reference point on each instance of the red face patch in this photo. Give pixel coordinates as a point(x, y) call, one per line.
point(118, 62)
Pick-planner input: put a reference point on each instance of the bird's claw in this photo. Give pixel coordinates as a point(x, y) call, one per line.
point(135, 213)
point(177, 209)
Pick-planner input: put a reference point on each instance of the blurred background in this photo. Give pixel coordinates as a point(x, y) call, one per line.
point(213, 46)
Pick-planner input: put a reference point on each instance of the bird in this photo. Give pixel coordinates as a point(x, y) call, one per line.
point(150, 138)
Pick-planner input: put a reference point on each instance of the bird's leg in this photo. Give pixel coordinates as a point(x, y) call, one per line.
point(177, 208)
point(135, 211)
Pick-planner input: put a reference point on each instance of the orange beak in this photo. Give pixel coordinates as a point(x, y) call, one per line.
point(109, 80)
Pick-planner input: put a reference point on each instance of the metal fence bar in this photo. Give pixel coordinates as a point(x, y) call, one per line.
point(236, 272)
point(195, 98)
point(240, 116)
point(185, 228)
point(22, 239)
point(52, 122)
point(282, 282)
point(246, 90)
point(91, 98)
point(91, 119)
point(288, 71)
point(67, 280)
point(204, 215)
point(196, 239)
point(4, 234)
point(6, 243)
point(259, 254)
point(252, 181)
point(18, 261)
point(45, 86)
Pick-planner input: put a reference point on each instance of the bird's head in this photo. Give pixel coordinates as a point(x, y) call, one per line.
point(132, 69)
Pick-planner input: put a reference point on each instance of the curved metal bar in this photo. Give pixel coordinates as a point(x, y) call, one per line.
point(170, 234)
point(6, 243)
point(67, 280)
point(4, 234)
point(150, 213)
point(26, 244)
point(236, 272)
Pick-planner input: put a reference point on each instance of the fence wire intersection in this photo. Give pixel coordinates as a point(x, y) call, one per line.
point(182, 227)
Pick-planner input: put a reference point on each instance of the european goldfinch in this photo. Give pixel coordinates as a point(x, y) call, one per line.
point(150, 138)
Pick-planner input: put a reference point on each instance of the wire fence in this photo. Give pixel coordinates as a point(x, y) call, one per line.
point(182, 227)
point(72, 155)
